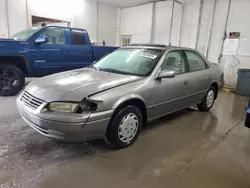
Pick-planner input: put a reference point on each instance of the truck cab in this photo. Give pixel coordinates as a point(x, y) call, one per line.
point(40, 51)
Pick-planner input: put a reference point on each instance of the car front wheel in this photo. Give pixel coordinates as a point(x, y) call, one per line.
point(124, 127)
point(208, 100)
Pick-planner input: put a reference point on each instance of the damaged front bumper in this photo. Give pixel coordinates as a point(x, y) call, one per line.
point(66, 126)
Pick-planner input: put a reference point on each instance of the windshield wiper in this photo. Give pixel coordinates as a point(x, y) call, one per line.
point(113, 71)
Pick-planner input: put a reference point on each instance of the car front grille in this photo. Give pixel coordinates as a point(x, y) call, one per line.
point(31, 101)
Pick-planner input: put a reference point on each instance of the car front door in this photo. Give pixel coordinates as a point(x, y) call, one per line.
point(170, 93)
point(51, 56)
point(198, 76)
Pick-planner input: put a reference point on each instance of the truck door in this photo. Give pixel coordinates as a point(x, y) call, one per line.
point(80, 50)
point(50, 57)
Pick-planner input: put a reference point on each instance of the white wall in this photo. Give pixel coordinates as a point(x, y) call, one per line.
point(17, 15)
point(218, 30)
point(238, 21)
point(3, 19)
point(163, 14)
point(107, 21)
point(86, 17)
point(205, 25)
point(136, 21)
point(190, 23)
point(56, 9)
point(176, 27)
point(81, 13)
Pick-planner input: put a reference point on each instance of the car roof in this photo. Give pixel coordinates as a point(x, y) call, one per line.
point(158, 47)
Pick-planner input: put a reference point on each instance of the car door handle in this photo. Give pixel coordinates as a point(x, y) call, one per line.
point(64, 50)
point(86, 50)
point(186, 82)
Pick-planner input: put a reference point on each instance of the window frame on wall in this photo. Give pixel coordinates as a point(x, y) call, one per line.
point(125, 40)
point(38, 20)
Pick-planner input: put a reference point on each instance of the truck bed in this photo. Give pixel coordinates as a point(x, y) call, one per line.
point(100, 51)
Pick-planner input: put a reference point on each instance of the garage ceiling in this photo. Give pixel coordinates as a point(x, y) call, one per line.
point(124, 2)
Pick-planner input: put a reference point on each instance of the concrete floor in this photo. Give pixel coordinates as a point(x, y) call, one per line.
point(188, 149)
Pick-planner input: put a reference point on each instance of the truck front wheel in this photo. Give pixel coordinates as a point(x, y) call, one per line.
point(12, 80)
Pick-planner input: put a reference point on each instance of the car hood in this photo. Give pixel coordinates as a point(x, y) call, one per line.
point(75, 85)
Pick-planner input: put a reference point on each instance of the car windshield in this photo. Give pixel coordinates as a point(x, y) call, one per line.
point(137, 62)
point(25, 34)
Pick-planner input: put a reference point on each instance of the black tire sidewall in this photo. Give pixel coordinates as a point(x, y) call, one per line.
point(203, 106)
point(21, 77)
point(112, 132)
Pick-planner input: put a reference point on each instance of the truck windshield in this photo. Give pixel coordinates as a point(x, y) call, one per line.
point(137, 62)
point(25, 34)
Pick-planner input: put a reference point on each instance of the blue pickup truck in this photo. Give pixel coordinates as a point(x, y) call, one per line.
point(40, 51)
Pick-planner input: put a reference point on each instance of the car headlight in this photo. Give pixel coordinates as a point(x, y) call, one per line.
point(88, 105)
point(63, 106)
point(85, 105)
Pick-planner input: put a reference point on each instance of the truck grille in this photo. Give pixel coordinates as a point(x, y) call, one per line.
point(31, 101)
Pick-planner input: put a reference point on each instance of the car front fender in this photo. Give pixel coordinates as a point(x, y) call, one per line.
point(127, 98)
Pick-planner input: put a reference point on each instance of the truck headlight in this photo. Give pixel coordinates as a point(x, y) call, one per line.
point(63, 106)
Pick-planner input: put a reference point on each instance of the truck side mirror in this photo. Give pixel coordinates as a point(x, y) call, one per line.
point(41, 39)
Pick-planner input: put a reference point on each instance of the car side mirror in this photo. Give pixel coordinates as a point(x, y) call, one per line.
point(41, 39)
point(166, 74)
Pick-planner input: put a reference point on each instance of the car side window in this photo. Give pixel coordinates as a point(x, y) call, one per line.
point(195, 61)
point(55, 35)
point(77, 38)
point(174, 61)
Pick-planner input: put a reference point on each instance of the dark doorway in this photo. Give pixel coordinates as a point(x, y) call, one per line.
point(36, 20)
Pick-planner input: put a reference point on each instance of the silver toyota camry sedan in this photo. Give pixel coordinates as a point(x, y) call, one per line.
point(118, 95)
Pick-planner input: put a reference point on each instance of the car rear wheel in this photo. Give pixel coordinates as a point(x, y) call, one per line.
point(208, 100)
point(125, 127)
point(11, 80)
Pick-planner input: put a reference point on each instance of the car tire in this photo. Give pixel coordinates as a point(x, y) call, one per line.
point(124, 127)
point(208, 100)
point(12, 80)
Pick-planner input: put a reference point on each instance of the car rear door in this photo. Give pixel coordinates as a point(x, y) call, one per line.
point(171, 94)
point(198, 76)
point(79, 51)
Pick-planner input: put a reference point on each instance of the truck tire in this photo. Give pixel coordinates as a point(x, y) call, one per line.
point(12, 80)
